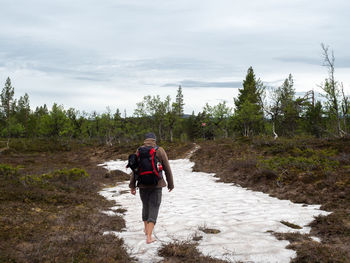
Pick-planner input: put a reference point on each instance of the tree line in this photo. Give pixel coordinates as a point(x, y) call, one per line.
point(258, 110)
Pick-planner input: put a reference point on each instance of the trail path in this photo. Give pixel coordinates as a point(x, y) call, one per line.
point(242, 216)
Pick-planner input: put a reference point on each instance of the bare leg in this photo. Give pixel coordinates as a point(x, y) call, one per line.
point(149, 228)
point(145, 229)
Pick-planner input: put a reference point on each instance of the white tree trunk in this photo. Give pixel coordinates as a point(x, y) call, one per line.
point(274, 131)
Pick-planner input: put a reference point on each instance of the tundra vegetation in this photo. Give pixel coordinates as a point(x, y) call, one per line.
point(295, 148)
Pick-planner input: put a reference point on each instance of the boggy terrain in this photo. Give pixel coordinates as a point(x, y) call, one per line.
point(50, 206)
point(303, 170)
point(51, 209)
point(49, 201)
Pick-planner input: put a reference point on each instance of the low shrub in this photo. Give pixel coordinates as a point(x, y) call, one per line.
point(241, 164)
point(280, 147)
point(298, 163)
point(74, 174)
point(40, 145)
point(301, 161)
point(35, 179)
point(8, 171)
point(182, 251)
point(68, 177)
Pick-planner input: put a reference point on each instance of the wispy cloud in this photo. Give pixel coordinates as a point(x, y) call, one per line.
point(303, 60)
point(205, 84)
point(342, 62)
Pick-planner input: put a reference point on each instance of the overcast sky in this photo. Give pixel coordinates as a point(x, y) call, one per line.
point(91, 54)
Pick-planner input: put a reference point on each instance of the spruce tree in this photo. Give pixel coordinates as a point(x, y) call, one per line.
point(248, 112)
point(7, 105)
point(289, 107)
point(180, 102)
point(314, 122)
point(251, 90)
point(23, 111)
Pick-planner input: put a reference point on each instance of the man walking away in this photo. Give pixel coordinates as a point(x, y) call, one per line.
point(151, 187)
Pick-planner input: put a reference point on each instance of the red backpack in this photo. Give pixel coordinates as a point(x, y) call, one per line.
point(149, 171)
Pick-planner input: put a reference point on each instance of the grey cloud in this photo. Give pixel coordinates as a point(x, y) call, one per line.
point(342, 62)
point(304, 60)
point(273, 83)
point(68, 71)
point(51, 94)
point(53, 59)
point(84, 64)
point(169, 64)
point(203, 84)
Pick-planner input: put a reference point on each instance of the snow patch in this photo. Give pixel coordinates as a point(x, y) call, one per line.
point(245, 218)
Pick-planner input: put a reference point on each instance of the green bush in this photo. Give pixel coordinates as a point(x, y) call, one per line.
point(74, 174)
point(8, 171)
point(301, 161)
point(308, 152)
point(36, 179)
point(63, 176)
point(281, 147)
point(41, 145)
point(298, 163)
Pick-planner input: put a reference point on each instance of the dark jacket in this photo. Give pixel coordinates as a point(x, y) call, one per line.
point(163, 159)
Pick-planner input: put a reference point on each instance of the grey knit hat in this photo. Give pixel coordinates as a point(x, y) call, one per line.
point(150, 135)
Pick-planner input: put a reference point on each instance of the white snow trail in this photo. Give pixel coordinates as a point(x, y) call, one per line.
point(242, 216)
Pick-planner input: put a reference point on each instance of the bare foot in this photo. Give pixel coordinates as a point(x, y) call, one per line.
point(151, 240)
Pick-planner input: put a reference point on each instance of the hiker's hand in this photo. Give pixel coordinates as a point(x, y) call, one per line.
point(133, 191)
point(170, 189)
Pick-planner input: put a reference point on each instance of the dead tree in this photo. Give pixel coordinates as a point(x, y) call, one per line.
point(309, 94)
point(273, 109)
point(330, 86)
point(345, 107)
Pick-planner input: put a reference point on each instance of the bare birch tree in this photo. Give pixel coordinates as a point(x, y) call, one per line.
point(345, 107)
point(331, 87)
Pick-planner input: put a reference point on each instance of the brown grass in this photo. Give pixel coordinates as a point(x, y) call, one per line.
point(182, 251)
point(291, 225)
point(209, 230)
point(312, 251)
point(60, 221)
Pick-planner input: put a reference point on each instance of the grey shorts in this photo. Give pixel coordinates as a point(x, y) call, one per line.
point(151, 199)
